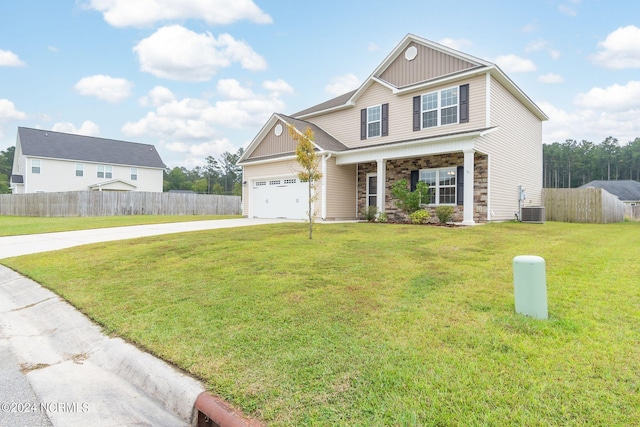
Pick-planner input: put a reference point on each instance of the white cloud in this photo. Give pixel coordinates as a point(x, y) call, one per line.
point(458, 44)
point(107, 88)
point(10, 59)
point(190, 119)
point(615, 98)
point(8, 111)
point(176, 53)
point(342, 84)
point(599, 113)
point(278, 87)
point(621, 49)
point(567, 10)
point(372, 47)
point(551, 78)
point(86, 128)
point(157, 96)
point(142, 13)
point(515, 64)
point(530, 28)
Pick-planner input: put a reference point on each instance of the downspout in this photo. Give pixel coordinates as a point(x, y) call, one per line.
point(324, 185)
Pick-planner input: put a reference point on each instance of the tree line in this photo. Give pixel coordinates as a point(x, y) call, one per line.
point(571, 164)
point(218, 176)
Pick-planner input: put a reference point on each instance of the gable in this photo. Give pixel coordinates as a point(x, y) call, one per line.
point(418, 63)
point(276, 141)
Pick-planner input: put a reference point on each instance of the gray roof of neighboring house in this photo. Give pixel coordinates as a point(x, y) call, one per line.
point(58, 145)
point(321, 138)
point(625, 190)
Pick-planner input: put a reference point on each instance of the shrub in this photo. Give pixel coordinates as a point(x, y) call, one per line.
point(382, 217)
point(444, 214)
point(371, 213)
point(409, 201)
point(420, 216)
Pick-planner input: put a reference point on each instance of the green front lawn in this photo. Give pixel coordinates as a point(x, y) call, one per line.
point(376, 325)
point(18, 225)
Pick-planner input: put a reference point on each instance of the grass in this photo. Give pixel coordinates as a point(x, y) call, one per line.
point(18, 225)
point(376, 325)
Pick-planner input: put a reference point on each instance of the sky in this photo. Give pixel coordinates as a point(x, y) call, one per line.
point(197, 78)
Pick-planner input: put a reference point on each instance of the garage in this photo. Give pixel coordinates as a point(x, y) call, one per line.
point(284, 197)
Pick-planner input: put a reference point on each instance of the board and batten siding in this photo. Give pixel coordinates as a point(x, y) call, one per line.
point(344, 125)
point(273, 144)
point(275, 169)
point(341, 190)
point(428, 64)
point(515, 154)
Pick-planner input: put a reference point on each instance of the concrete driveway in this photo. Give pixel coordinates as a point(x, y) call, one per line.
point(58, 368)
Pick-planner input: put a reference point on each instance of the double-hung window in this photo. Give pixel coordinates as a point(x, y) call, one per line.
point(442, 185)
point(134, 174)
point(374, 121)
point(79, 169)
point(440, 108)
point(35, 166)
point(105, 171)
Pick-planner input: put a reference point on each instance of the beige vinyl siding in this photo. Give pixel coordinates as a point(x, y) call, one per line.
point(275, 169)
point(341, 190)
point(515, 154)
point(273, 144)
point(344, 125)
point(428, 64)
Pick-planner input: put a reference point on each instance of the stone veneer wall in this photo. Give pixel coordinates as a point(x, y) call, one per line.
point(401, 169)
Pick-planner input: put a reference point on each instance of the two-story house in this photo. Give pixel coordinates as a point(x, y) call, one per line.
point(427, 113)
point(47, 161)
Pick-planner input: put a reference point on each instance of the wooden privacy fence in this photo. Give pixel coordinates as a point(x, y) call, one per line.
point(632, 212)
point(113, 203)
point(591, 205)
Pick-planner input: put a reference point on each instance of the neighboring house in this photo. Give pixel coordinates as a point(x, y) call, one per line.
point(428, 113)
point(627, 191)
point(47, 161)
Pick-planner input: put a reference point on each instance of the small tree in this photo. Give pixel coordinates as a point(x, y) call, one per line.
point(407, 200)
point(310, 173)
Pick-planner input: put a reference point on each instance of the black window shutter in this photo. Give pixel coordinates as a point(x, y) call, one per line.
point(363, 123)
point(385, 119)
point(416, 112)
point(460, 185)
point(464, 103)
point(415, 176)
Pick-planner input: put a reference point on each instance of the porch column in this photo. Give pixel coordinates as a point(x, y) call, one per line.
point(381, 179)
point(468, 187)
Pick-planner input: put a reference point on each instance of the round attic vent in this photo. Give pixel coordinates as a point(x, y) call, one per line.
point(278, 129)
point(410, 53)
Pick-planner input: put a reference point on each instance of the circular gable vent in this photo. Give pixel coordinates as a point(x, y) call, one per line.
point(278, 129)
point(411, 53)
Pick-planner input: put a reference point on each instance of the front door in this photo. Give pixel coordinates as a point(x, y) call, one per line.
point(372, 189)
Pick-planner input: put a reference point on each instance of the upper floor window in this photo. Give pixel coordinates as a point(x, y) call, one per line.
point(35, 166)
point(374, 121)
point(442, 185)
point(134, 174)
point(79, 169)
point(442, 107)
point(105, 171)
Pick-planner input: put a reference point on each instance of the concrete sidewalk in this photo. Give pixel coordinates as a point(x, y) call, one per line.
point(60, 369)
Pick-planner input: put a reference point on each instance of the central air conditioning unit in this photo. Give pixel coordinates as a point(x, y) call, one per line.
point(533, 214)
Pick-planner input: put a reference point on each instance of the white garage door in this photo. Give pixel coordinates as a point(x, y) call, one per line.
point(280, 198)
